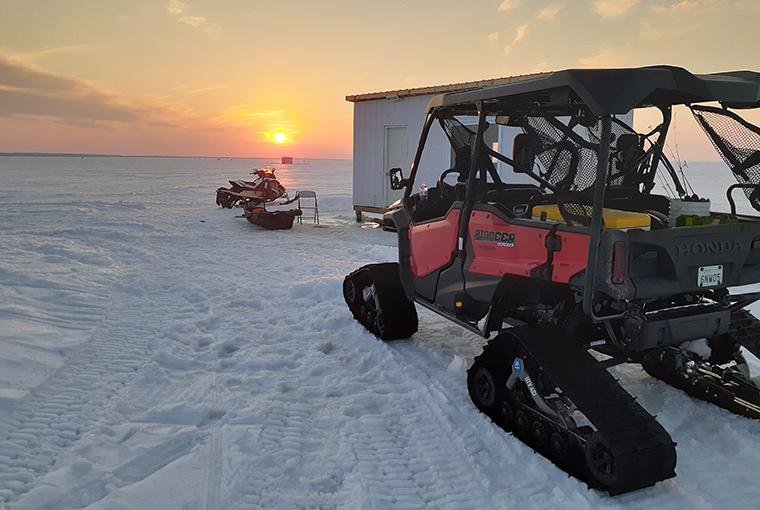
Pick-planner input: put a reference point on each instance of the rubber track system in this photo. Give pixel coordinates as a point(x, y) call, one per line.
point(633, 449)
point(745, 329)
point(725, 388)
point(377, 300)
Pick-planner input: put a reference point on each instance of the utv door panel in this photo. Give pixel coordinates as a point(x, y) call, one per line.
point(432, 244)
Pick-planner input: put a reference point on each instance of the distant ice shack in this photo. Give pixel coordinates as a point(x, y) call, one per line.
point(387, 127)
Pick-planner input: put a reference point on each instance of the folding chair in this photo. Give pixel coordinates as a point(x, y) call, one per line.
point(308, 195)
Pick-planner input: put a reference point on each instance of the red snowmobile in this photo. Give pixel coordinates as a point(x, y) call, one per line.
point(254, 196)
point(264, 189)
point(586, 257)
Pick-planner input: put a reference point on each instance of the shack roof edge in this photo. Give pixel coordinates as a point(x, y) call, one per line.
point(440, 89)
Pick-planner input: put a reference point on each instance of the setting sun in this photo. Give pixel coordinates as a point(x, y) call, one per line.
point(280, 137)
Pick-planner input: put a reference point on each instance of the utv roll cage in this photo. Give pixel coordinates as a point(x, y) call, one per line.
point(578, 170)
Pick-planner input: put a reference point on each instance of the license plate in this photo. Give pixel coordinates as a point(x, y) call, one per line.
point(710, 276)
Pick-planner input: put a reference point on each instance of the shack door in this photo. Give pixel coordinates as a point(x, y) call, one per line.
point(396, 147)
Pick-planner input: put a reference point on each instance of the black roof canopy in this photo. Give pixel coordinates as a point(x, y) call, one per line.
point(617, 91)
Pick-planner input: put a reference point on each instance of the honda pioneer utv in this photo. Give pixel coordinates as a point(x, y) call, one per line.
point(586, 267)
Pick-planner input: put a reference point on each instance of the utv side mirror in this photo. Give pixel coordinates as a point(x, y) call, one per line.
point(397, 179)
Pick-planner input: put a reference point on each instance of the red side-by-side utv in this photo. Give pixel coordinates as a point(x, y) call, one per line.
point(565, 258)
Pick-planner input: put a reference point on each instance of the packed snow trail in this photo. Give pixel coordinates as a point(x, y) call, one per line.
point(159, 352)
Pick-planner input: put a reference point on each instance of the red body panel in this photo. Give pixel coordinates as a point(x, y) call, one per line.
point(502, 248)
point(573, 257)
point(432, 245)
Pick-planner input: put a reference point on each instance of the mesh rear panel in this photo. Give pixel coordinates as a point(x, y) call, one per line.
point(737, 141)
point(462, 140)
point(458, 134)
point(569, 167)
point(595, 131)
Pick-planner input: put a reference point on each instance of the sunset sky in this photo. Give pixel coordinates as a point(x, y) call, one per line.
point(221, 77)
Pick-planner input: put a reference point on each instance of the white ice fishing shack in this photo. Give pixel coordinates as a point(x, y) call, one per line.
point(387, 127)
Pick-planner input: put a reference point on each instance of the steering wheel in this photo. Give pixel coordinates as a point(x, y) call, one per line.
point(444, 189)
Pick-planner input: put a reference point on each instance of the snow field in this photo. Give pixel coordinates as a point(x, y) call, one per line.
point(158, 352)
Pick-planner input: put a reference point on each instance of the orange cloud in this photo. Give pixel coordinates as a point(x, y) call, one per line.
point(179, 8)
point(613, 8)
point(685, 5)
point(550, 11)
point(522, 30)
point(47, 109)
point(610, 57)
point(508, 5)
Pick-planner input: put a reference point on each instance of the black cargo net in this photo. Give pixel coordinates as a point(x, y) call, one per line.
point(569, 165)
point(459, 135)
point(462, 140)
point(618, 128)
point(738, 143)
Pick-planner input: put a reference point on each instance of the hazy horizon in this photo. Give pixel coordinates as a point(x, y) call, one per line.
point(97, 155)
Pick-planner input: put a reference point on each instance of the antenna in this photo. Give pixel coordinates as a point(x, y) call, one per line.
point(677, 155)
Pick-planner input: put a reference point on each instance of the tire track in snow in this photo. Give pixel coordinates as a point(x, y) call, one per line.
point(58, 413)
point(406, 460)
point(441, 397)
point(131, 472)
point(212, 476)
point(384, 466)
point(284, 463)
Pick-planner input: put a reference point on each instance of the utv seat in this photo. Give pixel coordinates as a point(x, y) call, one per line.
point(436, 206)
point(631, 199)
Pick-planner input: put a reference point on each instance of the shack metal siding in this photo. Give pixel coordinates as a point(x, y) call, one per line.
point(370, 120)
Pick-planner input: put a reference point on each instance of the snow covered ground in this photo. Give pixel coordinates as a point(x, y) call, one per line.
point(158, 352)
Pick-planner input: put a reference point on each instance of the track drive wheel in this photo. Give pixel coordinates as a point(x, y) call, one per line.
point(352, 292)
point(483, 389)
point(488, 392)
point(349, 291)
point(600, 460)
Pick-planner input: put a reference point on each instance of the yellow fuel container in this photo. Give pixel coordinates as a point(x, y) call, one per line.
point(614, 219)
